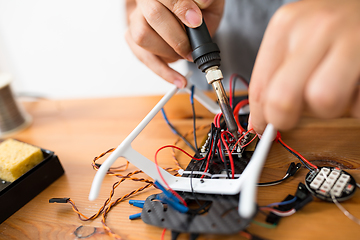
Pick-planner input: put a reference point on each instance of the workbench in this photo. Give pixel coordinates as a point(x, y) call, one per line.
point(81, 129)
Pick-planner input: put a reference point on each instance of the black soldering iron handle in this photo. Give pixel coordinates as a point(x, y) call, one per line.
point(206, 53)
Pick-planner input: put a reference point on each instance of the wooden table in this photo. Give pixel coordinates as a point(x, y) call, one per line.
point(79, 130)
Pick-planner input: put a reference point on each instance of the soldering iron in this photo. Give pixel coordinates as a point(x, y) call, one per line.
point(206, 56)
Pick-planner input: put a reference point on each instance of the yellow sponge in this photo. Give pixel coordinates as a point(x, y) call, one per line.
point(16, 158)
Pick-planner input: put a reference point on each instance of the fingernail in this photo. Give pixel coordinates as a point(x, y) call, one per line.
point(249, 123)
point(202, 3)
point(178, 83)
point(189, 57)
point(193, 18)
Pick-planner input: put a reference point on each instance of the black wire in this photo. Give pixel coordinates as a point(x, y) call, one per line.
point(191, 186)
point(233, 92)
point(207, 155)
point(213, 148)
point(233, 86)
point(297, 156)
point(194, 119)
point(224, 159)
point(274, 182)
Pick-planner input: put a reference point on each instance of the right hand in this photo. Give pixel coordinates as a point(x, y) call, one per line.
point(156, 34)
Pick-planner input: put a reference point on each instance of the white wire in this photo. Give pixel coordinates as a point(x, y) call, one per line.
point(346, 212)
point(195, 173)
point(206, 174)
point(272, 184)
point(285, 214)
point(224, 175)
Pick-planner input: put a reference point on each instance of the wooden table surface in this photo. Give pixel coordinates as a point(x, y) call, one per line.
point(79, 130)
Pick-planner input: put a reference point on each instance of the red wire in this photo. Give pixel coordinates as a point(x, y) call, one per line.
point(278, 138)
point(163, 234)
point(161, 176)
point(246, 235)
point(220, 152)
point(275, 210)
point(241, 138)
point(230, 154)
point(217, 120)
point(208, 160)
point(250, 141)
point(240, 105)
point(235, 75)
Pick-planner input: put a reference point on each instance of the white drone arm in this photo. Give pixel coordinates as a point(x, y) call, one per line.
point(247, 182)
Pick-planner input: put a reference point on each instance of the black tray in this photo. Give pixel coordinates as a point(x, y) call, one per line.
point(14, 195)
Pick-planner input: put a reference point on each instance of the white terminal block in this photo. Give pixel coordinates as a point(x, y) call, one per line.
point(340, 185)
point(330, 180)
point(319, 179)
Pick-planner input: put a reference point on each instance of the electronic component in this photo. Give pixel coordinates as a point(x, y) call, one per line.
point(301, 198)
point(329, 181)
point(221, 216)
point(59, 200)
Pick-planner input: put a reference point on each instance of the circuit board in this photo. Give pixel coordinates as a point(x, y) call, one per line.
point(331, 181)
point(209, 213)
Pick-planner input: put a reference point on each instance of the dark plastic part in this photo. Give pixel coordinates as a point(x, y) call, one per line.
point(222, 216)
point(254, 237)
point(295, 169)
point(16, 194)
point(302, 192)
point(291, 168)
point(303, 196)
point(273, 218)
point(59, 200)
point(205, 53)
point(194, 236)
point(174, 235)
point(300, 205)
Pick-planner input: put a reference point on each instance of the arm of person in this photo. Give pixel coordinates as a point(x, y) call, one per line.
point(309, 58)
point(156, 33)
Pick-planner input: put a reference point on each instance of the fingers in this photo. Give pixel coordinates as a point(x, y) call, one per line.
point(202, 4)
point(271, 55)
point(157, 36)
point(331, 87)
point(212, 13)
point(144, 36)
point(355, 110)
point(160, 17)
point(186, 10)
point(156, 64)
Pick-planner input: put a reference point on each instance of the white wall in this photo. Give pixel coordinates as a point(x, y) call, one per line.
point(71, 49)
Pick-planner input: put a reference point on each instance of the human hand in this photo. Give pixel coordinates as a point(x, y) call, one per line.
point(156, 34)
point(309, 58)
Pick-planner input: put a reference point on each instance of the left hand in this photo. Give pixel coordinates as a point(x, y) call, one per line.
point(309, 58)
